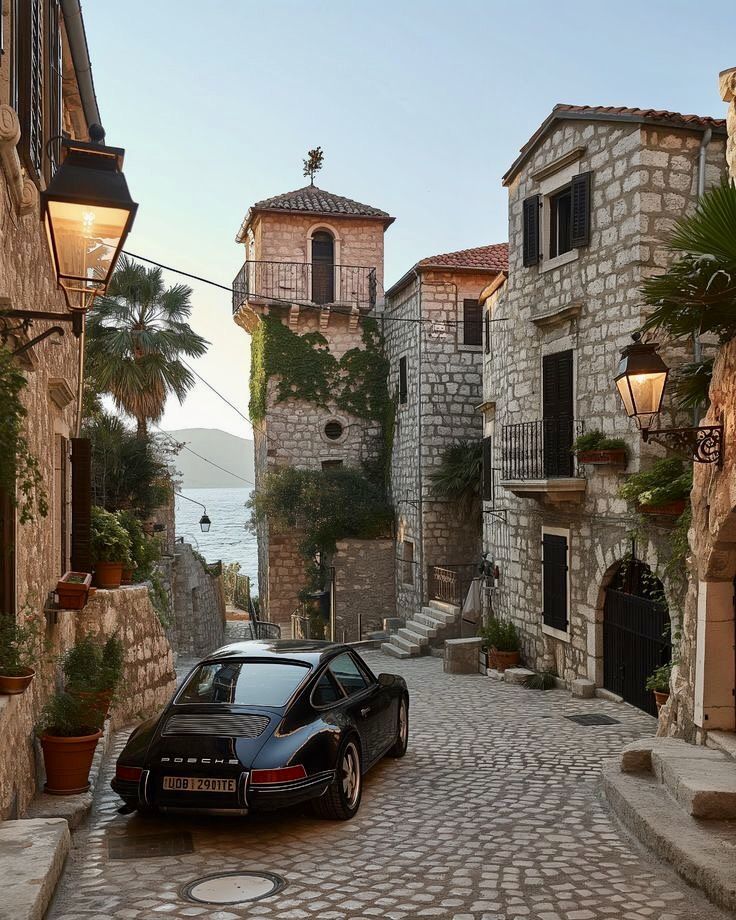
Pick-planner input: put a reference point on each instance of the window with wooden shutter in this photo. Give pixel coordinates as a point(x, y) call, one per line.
point(7, 554)
point(81, 504)
point(580, 219)
point(472, 322)
point(53, 87)
point(487, 330)
point(14, 33)
point(487, 469)
point(30, 84)
point(403, 382)
point(557, 414)
point(554, 580)
point(531, 230)
point(61, 515)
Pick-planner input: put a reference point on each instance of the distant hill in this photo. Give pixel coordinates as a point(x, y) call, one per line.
point(220, 447)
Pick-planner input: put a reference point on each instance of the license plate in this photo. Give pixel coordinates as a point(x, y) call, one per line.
point(198, 784)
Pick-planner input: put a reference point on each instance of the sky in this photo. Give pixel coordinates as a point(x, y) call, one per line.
point(420, 107)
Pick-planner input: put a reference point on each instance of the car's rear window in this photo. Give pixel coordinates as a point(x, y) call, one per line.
point(247, 683)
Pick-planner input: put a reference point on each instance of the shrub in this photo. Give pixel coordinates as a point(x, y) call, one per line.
point(20, 644)
point(91, 666)
point(501, 635)
point(544, 680)
point(665, 481)
point(109, 540)
point(596, 440)
point(68, 716)
point(144, 551)
point(659, 680)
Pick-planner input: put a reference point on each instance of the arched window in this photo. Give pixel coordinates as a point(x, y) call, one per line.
point(323, 267)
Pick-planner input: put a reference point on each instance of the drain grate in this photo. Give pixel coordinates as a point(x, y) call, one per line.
point(233, 888)
point(593, 718)
point(149, 846)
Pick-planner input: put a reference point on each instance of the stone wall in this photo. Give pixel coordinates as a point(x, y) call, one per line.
point(148, 681)
point(444, 389)
point(364, 587)
point(199, 605)
point(643, 179)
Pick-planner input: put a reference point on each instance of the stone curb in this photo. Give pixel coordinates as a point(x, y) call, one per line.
point(74, 808)
point(695, 851)
point(32, 853)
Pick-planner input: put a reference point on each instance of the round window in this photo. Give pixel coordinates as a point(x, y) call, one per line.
point(333, 430)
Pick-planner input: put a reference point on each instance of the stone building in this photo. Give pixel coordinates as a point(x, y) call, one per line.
point(592, 198)
point(702, 704)
point(434, 344)
point(46, 88)
point(313, 275)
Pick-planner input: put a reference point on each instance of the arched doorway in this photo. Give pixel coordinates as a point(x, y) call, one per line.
point(636, 633)
point(323, 267)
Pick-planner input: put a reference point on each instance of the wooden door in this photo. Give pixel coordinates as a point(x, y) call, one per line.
point(323, 268)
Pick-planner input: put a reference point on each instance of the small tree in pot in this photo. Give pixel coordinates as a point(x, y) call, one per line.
point(501, 641)
point(20, 647)
point(92, 672)
point(659, 683)
point(69, 730)
point(110, 546)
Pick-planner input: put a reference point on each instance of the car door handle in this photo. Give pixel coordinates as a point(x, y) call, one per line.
point(366, 711)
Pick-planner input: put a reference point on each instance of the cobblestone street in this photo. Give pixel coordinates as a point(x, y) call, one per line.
point(494, 814)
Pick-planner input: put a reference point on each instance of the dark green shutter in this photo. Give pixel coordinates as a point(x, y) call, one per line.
point(557, 413)
point(531, 230)
point(554, 580)
point(580, 187)
point(472, 324)
point(81, 504)
point(403, 382)
point(488, 469)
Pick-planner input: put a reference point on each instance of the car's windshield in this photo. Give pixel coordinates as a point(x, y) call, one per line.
point(247, 683)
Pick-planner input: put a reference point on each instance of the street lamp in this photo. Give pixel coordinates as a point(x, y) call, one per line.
point(204, 521)
point(640, 378)
point(88, 213)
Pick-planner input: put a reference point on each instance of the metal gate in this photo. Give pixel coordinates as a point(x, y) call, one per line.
point(636, 636)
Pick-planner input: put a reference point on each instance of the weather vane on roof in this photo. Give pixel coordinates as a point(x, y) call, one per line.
point(313, 163)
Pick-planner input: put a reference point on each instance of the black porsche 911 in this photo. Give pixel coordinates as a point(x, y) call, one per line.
point(264, 725)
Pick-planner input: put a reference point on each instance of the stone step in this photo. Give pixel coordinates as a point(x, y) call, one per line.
point(32, 854)
point(442, 615)
point(408, 645)
point(388, 648)
point(451, 609)
point(428, 620)
point(417, 638)
point(422, 629)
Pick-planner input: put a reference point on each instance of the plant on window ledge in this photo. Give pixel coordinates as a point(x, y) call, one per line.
point(595, 447)
point(20, 473)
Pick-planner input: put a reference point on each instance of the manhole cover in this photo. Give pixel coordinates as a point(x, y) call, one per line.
point(233, 887)
point(593, 718)
point(149, 846)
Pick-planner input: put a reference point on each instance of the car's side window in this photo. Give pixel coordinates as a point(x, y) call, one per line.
point(326, 691)
point(348, 674)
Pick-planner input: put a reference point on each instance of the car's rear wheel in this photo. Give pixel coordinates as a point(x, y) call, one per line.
point(402, 731)
point(342, 799)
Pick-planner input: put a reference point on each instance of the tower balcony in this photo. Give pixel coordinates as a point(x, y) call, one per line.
point(296, 284)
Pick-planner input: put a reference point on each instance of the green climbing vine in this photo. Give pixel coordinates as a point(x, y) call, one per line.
point(20, 473)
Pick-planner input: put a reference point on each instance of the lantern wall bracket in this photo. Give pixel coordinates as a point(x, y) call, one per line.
point(28, 317)
point(703, 444)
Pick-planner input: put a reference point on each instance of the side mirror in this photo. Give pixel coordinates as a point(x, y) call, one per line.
point(386, 680)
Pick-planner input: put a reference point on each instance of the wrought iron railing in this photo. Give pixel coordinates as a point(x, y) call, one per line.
point(450, 583)
point(261, 629)
point(305, 282)
point(241, 594)
point(540, 449)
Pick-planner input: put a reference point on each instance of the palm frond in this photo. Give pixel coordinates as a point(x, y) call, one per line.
point(458, 476)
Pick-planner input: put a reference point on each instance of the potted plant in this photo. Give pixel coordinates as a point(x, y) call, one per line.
point(69, 733)
point(659, 683)
point(110, 546)
point(20, 644)
point(594, 447)
point(92, 672)
point(501, 641)
point(144, 550)
point(664, 488)
point(72, 590)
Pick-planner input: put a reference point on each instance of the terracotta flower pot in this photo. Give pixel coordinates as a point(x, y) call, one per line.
point(108, 575)
point(68, 762)
point(127, 577)
point(12, 684)
point(73, 590)
point(601, 457)
point(660, 698)
point(673, 508)
point(499, 661)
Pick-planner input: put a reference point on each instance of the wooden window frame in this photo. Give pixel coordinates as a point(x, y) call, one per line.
point(560, 212)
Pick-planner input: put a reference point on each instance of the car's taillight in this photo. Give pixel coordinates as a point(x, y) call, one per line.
point(282, 775)
point(130, 774)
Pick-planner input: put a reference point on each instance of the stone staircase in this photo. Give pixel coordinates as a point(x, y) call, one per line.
point(427, 629)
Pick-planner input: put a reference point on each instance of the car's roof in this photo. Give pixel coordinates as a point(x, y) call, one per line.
point(309, 651)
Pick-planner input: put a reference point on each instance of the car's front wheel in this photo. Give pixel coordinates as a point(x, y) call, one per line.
point(342, 799)
point(402, 731)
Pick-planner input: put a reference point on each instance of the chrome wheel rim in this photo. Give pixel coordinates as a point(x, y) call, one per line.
point(403, 724)
point(351, 775)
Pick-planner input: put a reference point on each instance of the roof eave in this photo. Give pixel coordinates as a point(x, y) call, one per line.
point(334, 215)
point(554, 116)
point(453, 269)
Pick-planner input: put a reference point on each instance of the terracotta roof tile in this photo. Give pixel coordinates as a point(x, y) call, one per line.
point(493, 258)
point(313, 200)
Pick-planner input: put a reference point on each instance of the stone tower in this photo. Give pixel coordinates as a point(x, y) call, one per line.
point(313, 276)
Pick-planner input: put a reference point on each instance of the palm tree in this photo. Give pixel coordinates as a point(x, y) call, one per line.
point(136, 337)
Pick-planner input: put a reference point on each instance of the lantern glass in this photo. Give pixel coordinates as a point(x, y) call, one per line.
point(84, 240)
point(204, 523)
point(642, 396)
